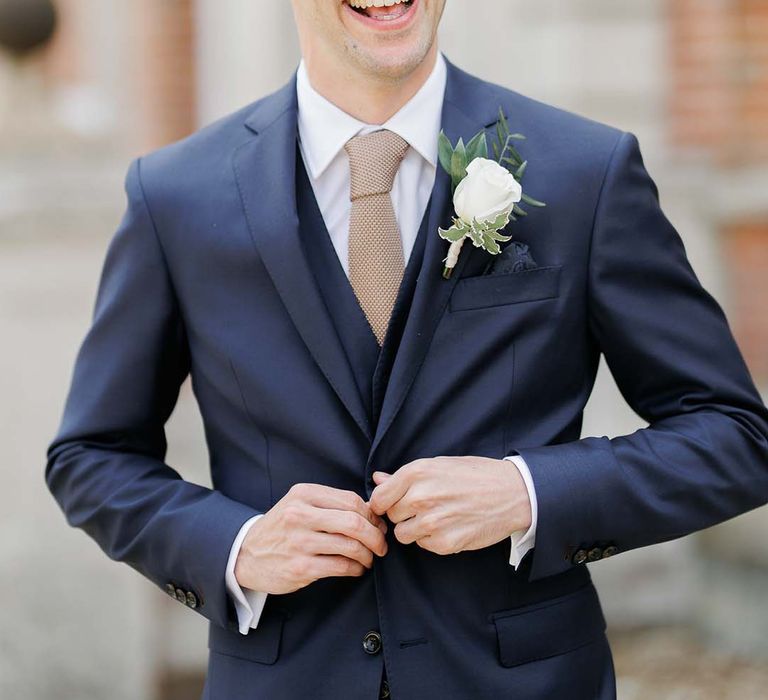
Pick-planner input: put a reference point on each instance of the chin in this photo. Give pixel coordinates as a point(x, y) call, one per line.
point(391, 62)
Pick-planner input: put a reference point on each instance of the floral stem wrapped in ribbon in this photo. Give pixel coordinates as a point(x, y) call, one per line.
point(486, 193)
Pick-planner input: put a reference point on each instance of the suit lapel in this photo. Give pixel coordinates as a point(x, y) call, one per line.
point(469, 106)
point(265, 171)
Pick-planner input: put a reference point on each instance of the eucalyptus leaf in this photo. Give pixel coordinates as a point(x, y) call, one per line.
point(520, 212)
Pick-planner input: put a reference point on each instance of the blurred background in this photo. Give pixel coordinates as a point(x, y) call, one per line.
point(93, 84)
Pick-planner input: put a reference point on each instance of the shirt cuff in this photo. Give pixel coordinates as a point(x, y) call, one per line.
point(248, 604)
point(524, 540)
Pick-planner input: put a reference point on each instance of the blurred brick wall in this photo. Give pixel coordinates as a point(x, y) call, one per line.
point(719, 100)
point(719, 109)
point(746, 244)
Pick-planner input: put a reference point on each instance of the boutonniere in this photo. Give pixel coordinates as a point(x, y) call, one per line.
point(486, 193)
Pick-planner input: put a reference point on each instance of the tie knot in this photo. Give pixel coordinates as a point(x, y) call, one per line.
point(373, 162)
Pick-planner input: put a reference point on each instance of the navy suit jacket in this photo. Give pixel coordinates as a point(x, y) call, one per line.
point(207, 276)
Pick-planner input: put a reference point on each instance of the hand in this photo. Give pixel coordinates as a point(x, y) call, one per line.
point(314, 531)
point(451, 504)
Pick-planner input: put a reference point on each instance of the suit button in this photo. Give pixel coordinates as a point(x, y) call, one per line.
point(580, 556)
point(191, 600)
point(170, 589)
point(610, 550)
point(181, 596)
point(372, 642)
point(595, 554)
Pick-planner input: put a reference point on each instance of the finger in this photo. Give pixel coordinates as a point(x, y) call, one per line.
point(402, 510)
point(348, 523)
point(322, 496)
point(380, 477)
point(386, 494)
point(408, 531)
point(326, 565)
point(332, 543)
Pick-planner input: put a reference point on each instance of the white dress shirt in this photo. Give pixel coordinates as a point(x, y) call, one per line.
point(323, 130)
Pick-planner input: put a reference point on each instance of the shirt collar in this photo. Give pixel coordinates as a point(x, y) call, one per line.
point(324, 128)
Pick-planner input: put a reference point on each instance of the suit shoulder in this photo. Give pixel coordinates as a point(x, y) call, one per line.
point(198, 146)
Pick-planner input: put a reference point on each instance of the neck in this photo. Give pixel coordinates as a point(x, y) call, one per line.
point(372, 101)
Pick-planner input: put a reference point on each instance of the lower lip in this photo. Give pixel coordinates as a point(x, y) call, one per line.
point(382, 24)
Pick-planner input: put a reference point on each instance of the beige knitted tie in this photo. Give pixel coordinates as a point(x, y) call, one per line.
point(376, 261)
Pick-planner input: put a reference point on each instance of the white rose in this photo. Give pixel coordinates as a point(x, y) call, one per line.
point(488, 190)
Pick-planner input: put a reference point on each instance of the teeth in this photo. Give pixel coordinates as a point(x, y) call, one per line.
point(363, 4)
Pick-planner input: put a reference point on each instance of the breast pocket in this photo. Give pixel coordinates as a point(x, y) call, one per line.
point(483, 291)
point(550, 628)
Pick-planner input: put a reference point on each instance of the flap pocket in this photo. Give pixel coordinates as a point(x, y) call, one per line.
point(481, 291)
point(549, 628)
point(261, 645)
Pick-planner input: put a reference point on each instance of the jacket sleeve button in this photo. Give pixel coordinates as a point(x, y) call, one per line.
point(595, 554)
point(610, 550)
point(192, 600)
point(170, 589)
point(579, 556)
point(181, 595)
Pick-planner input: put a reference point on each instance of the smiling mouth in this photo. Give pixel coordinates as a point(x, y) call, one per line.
point(383, 10)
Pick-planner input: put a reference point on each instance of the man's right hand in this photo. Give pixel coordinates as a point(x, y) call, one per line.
point(314, 531)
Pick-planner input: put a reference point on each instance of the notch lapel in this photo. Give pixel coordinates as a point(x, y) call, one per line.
point(469, 105)
point(265, 172)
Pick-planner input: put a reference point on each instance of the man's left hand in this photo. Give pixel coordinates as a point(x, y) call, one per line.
point(452, 504)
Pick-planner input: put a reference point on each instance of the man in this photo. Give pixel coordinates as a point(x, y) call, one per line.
point(401, 503)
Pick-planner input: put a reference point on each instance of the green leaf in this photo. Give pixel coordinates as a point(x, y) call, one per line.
point(490, 245)
point(476, 236)
point(514, 153)
point(521, 170)
point(498, 236)
point(499, 222)
point(532, 202)
point(503, 121)
point(520, 212)
point(518, 137)
point(483, 152)
point(452, 234)
point(445, 151)
point(459, 162)
point(477, 146)
point(500, 135)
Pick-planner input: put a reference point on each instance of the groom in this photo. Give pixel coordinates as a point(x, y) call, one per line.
point(401, 503)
